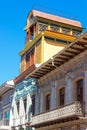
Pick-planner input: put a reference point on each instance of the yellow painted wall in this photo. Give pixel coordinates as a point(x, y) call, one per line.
point(51, 48)
point(60, 36)
point(37, 54)
point(45, 49)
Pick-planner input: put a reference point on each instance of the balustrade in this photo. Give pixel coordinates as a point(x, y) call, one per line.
point(75, 109)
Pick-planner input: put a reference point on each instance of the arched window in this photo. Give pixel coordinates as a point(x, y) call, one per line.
point(47, 101)
point(62, 96)
point(79, 90)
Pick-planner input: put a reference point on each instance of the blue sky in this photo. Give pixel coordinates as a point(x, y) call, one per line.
point(13, 14)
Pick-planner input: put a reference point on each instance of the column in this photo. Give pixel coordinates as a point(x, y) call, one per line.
point(41, 102)
point(36, 102)
point(29, 103)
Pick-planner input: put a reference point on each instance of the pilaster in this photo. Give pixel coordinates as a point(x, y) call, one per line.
point(53, 97)
point(41, 102)
point(36, 106)
point(69, 89)
point(85, 91)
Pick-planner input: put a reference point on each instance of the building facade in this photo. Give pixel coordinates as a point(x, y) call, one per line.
point(46, 35)
point(62, 89)
point(6, 95)
point(50, 91)
point(24, 104)
point(54, 54)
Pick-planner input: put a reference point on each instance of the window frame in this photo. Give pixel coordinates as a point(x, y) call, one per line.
point(63, 96)
point(81, 92)
point(47, 107)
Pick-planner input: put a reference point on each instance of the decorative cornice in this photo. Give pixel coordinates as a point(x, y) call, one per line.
point(53, 76)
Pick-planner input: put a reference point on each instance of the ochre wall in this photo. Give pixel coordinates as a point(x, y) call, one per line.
point(51, 48)
point(37, 57)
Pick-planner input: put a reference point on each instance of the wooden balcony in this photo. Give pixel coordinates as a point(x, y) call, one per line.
point(24, 74)
point(69, 112)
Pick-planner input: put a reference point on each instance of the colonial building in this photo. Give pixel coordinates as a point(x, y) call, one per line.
point(62, 89)
point(6, 95)
point(56, 98)
point(46, 35)
point(23, 104)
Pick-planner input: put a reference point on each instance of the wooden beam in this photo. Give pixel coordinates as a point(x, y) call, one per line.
point(67, 55)
point(81, 44)
point(76, 48)
point(72, 52)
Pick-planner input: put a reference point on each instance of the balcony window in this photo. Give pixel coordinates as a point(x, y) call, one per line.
point(62, 96)
point(32, 33)
point(55, 28)
point(27, 36)
point(27, 60)
point(42, 27)
point(7, 115)
point(66, 30)
point(25, 104)
point(28, 57)
point(79, 90)
point(76, 32)
point(32, 19)
point(32, 57)
point(47, 102)
point(33, 105)
point(31, 36)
